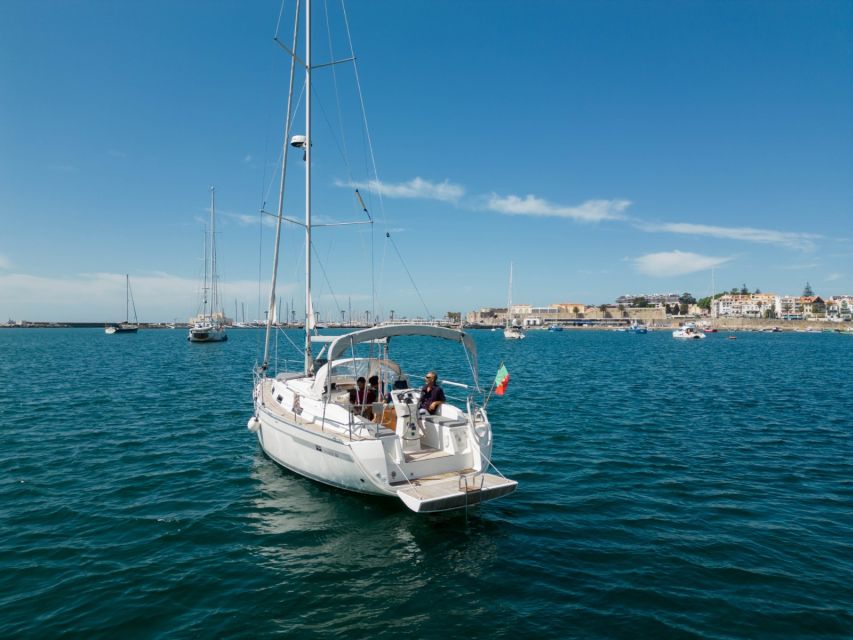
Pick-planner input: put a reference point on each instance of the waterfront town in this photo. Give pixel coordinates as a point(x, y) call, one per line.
point(737, 308)
point(662, 309)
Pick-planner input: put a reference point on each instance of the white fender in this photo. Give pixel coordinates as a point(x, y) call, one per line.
point(254, 424)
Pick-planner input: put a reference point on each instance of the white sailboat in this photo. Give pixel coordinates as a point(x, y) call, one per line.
point(305, 422)
point(512, 331)
point(127, 326)
point(209, 324)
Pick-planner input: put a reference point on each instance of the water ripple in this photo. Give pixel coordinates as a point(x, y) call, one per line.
point(667, 490)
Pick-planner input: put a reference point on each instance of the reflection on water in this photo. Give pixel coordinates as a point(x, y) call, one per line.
point(369, 546)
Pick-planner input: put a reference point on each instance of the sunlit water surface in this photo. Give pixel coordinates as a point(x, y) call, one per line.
point(667, 489)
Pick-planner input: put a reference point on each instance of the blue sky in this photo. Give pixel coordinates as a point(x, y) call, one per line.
point(602, 147)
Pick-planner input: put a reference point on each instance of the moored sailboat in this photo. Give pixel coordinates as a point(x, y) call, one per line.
point(512, 331)
point(127, 326)
point(209, 324)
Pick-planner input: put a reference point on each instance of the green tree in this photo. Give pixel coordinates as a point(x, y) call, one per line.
point(641, 302)
point(684, 308)
point(687, 298)
point(744, 291)
point(808, 292)
point(705, 303)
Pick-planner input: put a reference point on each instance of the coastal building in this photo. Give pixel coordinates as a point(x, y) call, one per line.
point(570, 307)
point(840, 308)
point(486, 315)
point(654, 299)
point(801, 307)
point(749, 305)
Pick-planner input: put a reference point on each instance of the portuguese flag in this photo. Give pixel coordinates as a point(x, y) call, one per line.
point(501, 380)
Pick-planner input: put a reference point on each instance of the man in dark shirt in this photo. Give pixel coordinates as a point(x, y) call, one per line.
point(357, 395)
point(432, 396)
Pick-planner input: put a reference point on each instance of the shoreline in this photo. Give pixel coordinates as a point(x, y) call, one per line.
point(721, 324)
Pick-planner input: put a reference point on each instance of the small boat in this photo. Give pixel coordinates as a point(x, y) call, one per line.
point(512, 331)
point(554, 328)
point(636, 327)
point(688, 332)
point(209, 325)
point(732, 337)
point(710, 330)
point(127, 326)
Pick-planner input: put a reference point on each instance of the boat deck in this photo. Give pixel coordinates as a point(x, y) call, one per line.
point(342, 433)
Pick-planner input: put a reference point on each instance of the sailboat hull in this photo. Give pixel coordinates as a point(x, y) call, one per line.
point(319, 458)
point(375, 460)
point(207, 334)
point(121, 329)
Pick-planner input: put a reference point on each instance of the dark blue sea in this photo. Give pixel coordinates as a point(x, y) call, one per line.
point(667, 489)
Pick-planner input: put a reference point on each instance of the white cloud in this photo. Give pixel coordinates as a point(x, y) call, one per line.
point(417, 188)
point(801, 241)
point(5, 263)
point(675, 263)
point(116, 154)
point(530, 205)
point(834, 276)
point(247, 158)
point(99, 297)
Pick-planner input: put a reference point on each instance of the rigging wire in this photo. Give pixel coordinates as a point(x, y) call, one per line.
point(394, 244)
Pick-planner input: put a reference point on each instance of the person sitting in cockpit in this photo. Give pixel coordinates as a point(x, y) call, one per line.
point(432, 396)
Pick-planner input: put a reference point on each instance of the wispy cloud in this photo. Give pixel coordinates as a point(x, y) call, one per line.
point(800, 266)
point(417, 188)
point(675, 263)
point(247, 158)
point(99, 297)
point(800, 241)
point(834, 276)
point(116, 154)
point(530, 205)
point(5, 263)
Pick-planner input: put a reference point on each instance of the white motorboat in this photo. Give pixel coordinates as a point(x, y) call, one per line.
point(688, 332)
point(305, 420)
point(209, 324)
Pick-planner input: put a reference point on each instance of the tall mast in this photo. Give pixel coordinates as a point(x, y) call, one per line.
point(127, 297)
point(509, 299)
point(309, 311)
point(713, 292)
point(213, 300)
point(280, 210)
point(204, 288)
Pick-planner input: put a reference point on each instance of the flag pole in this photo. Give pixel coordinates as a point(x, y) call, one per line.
point(492, 388)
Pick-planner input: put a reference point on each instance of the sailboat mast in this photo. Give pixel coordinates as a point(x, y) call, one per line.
point(713, 292)
point(280, 210)
point(213, 300)
point(309, 310)
point(509, 299)
point(204, 287)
